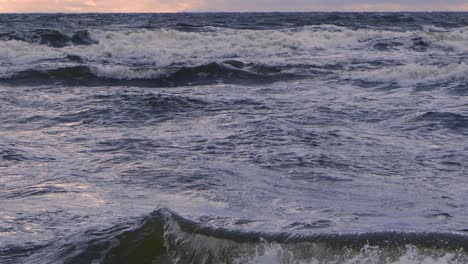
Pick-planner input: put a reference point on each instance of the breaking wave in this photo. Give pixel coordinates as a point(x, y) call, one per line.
point(416, 74)
point(165, 237)
point(50, 37)
point(226, 72)
point(254, 54)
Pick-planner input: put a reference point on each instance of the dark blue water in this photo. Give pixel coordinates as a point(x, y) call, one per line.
point(234, 138)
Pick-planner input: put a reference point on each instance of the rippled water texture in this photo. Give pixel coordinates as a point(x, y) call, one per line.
point(234, 138)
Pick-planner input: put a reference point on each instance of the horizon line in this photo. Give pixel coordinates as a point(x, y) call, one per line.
point(246, 12)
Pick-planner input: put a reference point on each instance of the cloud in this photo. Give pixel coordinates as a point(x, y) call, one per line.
point(94, 6)
point(228, 5)
point(459, 8)
point(332, 5)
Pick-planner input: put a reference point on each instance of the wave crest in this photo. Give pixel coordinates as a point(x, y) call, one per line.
point(50, 37)
point(416, 73)
point(226, 72)
point(204, 55)
point(165, 237)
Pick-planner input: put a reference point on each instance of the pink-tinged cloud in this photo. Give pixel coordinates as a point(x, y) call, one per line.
point(94, 6)
point(228, 5)
point(390, 7)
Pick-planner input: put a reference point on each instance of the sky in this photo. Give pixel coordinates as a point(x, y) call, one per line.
point(19, 6)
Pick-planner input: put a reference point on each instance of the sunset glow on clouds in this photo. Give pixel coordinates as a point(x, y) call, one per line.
point(225, 5)
point(94, 6)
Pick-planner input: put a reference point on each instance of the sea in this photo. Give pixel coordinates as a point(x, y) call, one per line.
point(232, 138)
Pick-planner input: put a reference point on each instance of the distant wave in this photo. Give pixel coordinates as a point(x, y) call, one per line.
point(416, 73)
point(226, 72)
point(205, 55)
point(441, 120)
point(50, 37)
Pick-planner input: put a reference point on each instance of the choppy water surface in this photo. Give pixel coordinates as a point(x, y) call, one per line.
point(234, 138)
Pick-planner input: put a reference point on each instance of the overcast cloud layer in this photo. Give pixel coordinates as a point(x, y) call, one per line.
point(228, 5)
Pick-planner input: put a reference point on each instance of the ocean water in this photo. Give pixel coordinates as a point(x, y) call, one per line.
point(234, 138)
